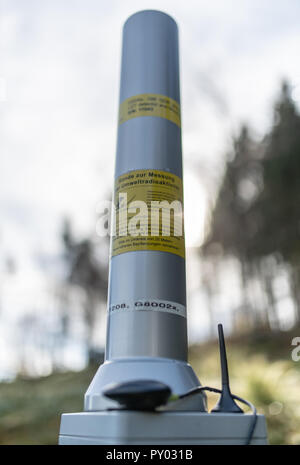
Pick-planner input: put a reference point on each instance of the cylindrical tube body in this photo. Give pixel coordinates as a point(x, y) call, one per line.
point(147, 289)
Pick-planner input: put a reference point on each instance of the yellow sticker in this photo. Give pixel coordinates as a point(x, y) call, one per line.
point(150, 105)
point(148, 213)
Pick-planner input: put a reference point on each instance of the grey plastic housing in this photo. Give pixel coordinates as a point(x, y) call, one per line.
point(176, 428)
point(178, 375)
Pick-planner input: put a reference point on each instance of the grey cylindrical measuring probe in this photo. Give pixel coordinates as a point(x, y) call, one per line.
point(150, 65)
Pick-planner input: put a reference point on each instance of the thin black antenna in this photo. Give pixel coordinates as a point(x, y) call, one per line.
point(223, 357)
point(226, 403)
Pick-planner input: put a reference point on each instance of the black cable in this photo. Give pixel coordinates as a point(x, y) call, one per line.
point(243, 401)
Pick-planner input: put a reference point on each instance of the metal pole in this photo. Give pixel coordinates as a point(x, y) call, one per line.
point(147, 290)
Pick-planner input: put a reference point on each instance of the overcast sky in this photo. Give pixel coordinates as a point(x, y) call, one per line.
point(59, 86)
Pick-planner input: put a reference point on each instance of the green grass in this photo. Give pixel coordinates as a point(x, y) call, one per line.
point(261, 371)
point(30, 409)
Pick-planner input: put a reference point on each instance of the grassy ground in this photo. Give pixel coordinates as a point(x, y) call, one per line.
point(261, 370)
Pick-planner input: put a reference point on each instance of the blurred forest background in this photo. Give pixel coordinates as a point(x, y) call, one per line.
point(244, 271)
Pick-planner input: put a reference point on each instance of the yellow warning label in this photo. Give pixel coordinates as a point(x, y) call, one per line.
point(150, 105)
point(148, 213)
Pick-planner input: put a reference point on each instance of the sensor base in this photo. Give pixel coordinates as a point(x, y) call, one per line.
point(128, 427)
point(176, 374)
